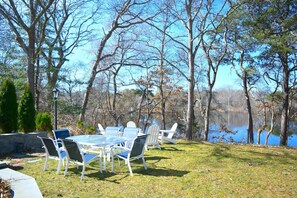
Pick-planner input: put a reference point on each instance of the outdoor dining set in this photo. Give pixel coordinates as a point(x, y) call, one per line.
point(127, 144)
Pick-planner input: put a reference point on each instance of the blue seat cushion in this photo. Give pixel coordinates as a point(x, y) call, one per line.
point(123, 154)
point(89, 157)
point(63, 154)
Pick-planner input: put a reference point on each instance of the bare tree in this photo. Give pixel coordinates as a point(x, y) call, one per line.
point(66, 26)
point(197, 17)
point(22, 18)
point(214, 46)
point(126, 15)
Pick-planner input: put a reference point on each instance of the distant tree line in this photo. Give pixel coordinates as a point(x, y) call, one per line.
point(170, 52)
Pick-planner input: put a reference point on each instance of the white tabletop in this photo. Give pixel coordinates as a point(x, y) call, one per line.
point(97, 140)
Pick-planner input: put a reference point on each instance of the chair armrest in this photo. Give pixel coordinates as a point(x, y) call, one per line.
point(121, 148)
point(167, 131)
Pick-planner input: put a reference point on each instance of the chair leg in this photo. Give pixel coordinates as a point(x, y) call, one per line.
point(59, 166)
point(112, 164)
point(45, 164)
point(129, 166)
point(66, 168)
point(83, 171)
point(100, 156)
point(104, 161)
point(144, 164)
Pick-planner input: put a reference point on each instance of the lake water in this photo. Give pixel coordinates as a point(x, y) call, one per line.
point(237, 122)
point(241, 136)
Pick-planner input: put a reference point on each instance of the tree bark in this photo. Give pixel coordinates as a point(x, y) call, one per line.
point(285, 104)
point(191, 81)
point(250, 130)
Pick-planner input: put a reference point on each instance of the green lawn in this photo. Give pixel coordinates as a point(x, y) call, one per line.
point(187, 169)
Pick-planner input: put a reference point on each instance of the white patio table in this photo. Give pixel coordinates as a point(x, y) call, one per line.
point(105, 142)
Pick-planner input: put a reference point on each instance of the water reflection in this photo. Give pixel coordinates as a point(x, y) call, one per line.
point(238, 122)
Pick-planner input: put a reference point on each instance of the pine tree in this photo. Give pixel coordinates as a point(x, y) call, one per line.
point(8, 107)
point(27, 111)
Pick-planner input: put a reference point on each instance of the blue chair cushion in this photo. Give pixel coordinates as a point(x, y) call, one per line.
point(89, 157)
point(123, 154)
point(63, 154)
point(61, 133)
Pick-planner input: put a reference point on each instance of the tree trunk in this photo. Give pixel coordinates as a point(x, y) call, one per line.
point(271, 127)
point(161, 83)
point(250, 130)
point(86, 96)
point(191, 57)
point(207, 114)
point(285, 105)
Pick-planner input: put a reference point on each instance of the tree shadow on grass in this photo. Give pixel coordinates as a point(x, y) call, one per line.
point(170, 148)
point(252, 156)
point(154, 159)
point(161, 172)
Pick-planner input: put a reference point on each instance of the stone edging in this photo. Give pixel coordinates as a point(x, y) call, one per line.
point(19, 142)
point(23, 186)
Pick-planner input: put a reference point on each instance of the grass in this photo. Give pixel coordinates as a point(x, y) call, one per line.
point(187, 169)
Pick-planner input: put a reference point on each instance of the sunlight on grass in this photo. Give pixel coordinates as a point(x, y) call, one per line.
point(187, 169)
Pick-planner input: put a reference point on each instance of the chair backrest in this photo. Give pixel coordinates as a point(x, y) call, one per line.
point(49, 146)
point(61, 133)
point(131, 124)
point(72, 150)
point(131, 132)
point(101, 129)
point(173, 129)
point(112, 131)
point(153, 134)
point(138, 146)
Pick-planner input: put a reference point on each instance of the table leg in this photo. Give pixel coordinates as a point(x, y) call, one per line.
point(104, 159)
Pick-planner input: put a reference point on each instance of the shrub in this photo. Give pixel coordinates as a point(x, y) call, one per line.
point(44, 122)
point(8, 107)
point(27, 111)
point(90, 130)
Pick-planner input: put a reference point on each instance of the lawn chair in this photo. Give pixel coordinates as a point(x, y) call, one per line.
point(113, 131)
point(75, 155)
point(60, 134)
point(131, 124)
point(52, 152)
point(130, 133)
point(168, 134)
point(101, 129)
point(128, 155)
point(153, 137)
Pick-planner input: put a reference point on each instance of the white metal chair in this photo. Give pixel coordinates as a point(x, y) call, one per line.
point(60, 134)
point(131, 154)
point(168, 134)
point(101, 129)
point(130, 133)
point(131, 124)
point(52, 152)
point(113, 131)
point(75, 155)
point(153, 137)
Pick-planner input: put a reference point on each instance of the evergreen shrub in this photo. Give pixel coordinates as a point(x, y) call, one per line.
point(27, 111)
point(8, 107)
point(44, 122)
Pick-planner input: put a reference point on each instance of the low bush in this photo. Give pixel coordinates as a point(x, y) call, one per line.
point(44, 122)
